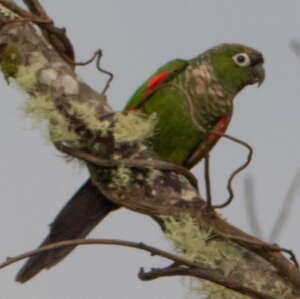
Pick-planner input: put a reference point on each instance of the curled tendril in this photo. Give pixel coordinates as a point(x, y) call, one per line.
point(97, 55)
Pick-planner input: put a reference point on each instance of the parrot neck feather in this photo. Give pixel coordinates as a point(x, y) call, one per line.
point(210, 100)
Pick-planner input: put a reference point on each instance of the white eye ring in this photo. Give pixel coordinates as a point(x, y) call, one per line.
point(242, 59)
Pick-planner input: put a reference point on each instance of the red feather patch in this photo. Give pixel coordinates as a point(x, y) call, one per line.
point(156, 81)
point(212, 138)
point(151, 86)
point(220, 128)
point(132, 108)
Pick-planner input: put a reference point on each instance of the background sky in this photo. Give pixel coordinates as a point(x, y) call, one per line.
point(138, 36)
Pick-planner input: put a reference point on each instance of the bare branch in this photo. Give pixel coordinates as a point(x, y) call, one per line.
point(23, 13)
point(36, 8)
point(76, 242)
point(202, 273)
point(190, 268)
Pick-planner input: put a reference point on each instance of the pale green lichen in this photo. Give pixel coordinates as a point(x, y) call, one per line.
point(116, 157)
point(8, 13)
point(10, 62)
point(26, 76)
point(133, 126)
point(86, 112)
point(214, 291)
point(258, 283)
point(197, 244)
point(60, 130)
point(142, 147)
point(282, 289)
point(98, 149)
point(121, 177)
point(41, 107)
point(201, 246)
point(198, 288)
point(152, 175)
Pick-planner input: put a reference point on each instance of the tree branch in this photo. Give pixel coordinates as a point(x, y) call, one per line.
point(80, 118)
point(190, 268)
point(202, 273)
point(154, 251)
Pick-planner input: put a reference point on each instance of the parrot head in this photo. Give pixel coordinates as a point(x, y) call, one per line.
point(236, 66)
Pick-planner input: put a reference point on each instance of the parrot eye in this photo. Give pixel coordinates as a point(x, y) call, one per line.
point(242, 59)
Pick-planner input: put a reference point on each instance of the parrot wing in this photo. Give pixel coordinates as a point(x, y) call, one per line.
point(163, 75)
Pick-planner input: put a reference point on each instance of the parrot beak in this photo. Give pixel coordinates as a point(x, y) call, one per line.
point(258, 74)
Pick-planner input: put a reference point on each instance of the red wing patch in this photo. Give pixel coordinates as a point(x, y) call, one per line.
point(151, 86)
point(220, 128)
point(213, 138)
point(155, 82)
point(132, 108)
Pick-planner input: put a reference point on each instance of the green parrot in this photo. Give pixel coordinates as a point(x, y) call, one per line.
point(192, 100)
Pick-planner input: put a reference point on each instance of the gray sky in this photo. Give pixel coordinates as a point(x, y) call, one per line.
point(137, 37)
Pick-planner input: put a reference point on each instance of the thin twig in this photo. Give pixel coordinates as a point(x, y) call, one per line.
point(237, 171)
point(191, 268)
point(98, 54)
point(250, 208)
point(141, 164)
point(207, 180)
point(202, 273)
point(23, 13)
point(36, 8)
point(191, 107)
point(100, 69)
point(84, 63)
point(55, 36)
point(76, 242)
point(292, 255)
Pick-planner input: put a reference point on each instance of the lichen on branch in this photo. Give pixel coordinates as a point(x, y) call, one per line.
point(49, 86)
